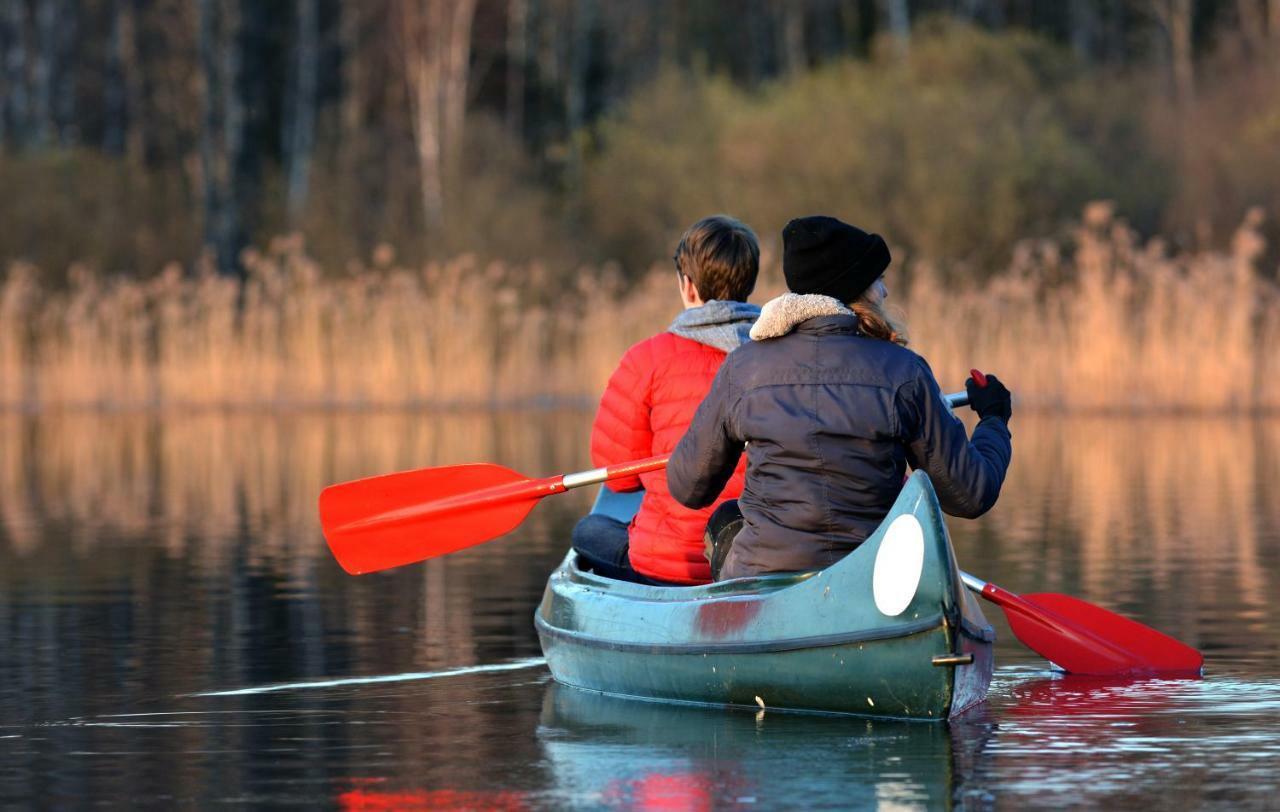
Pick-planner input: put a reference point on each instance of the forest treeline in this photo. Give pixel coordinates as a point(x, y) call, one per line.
point(137, 132)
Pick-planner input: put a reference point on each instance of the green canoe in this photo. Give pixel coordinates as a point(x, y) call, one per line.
point(889, 630)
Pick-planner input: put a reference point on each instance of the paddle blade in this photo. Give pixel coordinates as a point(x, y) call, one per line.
point(1153, 650)
point(1061, 642)
point(387, 521)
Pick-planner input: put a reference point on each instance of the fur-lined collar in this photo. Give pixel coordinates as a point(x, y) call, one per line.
point(781, 315)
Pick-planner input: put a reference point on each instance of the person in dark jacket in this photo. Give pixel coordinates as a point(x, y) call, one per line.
point(831, 408)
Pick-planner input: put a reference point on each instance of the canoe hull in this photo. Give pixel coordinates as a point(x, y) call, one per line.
point(813, 642)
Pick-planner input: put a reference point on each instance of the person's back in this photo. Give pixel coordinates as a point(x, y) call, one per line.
point(830, 409)
point(653, 395)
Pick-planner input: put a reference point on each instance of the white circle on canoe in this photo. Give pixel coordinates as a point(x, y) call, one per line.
point(899, 563)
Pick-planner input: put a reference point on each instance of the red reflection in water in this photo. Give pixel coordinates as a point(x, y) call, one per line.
point(437, 799)
point(1107, 697)
point(655, 791)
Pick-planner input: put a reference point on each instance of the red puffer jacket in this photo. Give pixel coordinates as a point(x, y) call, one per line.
point(644, 411)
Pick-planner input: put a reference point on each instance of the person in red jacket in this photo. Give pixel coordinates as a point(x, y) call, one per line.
point(651, 398)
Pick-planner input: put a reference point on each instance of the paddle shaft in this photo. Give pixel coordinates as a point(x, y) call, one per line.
point(596, 476)
point(382, 522)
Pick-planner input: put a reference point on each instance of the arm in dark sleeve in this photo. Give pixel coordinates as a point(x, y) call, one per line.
point(708, 453)
point(966, 473)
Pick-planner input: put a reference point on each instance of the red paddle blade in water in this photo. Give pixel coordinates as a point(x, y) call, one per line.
point(1155, 650)
point(1082, 638)
point(387, 521)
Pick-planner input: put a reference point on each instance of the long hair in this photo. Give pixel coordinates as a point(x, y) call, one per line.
point(874, 321)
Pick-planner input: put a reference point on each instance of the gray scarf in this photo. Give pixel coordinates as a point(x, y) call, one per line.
point(723, 325)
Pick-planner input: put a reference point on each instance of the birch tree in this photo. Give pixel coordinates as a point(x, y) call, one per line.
point(436, 50)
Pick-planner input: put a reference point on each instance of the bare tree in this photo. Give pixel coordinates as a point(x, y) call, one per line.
point(66, 54)
point(436, 48)
point(222, 131)
point(43, 68)
point(517, 56)
point(899, 23)
point(791, 31)
point(581, 20)
point(300, 112)
point(1176, 17)
point(122, 97)
point(14, 105)
point(1259, 24)
point(1083, 19)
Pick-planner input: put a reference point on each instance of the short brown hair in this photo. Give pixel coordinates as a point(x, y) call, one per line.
point(722, 257)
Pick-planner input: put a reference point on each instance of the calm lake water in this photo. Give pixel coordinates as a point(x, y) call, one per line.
point(174, 632)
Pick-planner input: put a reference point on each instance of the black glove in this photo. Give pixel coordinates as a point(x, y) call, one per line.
point(992, 400)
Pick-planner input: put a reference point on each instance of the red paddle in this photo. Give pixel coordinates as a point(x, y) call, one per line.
point(1080, 637)
point(396, 519)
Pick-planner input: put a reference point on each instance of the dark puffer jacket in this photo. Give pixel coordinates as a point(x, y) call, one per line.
point(829, 419)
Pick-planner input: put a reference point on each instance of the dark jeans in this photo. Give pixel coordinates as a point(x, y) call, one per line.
point(602, 545)
point(722, 529)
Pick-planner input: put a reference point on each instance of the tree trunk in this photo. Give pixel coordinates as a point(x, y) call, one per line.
point(1253, 27)
point(64, 108)
point(899, 23)
point(42, 72)
point(671, 15)
point(436, 50)
point(15, 104)
point(1084, 24)
point(791, 51)
point(852, 27)
point(222, 133)
point(122, 130)
point(987, 12)
point(457, 74)
point(1175, 16)
point(582, 18)
point(300, 113)
point(517, 54)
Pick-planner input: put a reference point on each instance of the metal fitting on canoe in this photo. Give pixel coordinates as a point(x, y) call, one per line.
point(953, 659)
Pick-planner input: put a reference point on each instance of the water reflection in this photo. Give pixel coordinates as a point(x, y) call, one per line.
point(147, 559)
point(626, 754)
point(1135, 741)
point(1169, 520)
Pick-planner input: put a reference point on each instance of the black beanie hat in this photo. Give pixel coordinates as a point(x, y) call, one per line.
point(824, 255)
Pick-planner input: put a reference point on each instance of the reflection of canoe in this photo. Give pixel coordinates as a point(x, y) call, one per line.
point(609, 753)
point(887, 631)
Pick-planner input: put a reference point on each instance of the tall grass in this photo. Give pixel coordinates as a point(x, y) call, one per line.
point(1118, 326)
point(1111, 324)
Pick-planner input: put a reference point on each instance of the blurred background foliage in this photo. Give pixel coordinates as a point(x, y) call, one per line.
point(134, 133)
point(974, 142)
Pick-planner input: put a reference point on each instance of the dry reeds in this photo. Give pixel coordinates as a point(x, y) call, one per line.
point(1117, 326)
